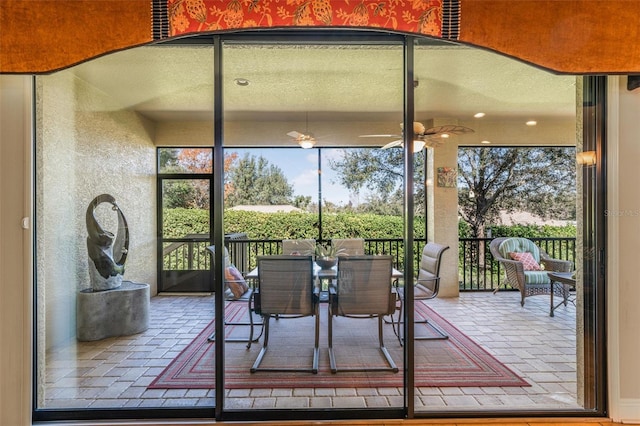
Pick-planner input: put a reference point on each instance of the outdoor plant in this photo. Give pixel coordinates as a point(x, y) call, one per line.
point(327, 251)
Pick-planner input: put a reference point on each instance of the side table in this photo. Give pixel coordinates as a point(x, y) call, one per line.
point(561, 281)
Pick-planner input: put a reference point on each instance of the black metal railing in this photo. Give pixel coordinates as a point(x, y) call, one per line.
point(476, 267)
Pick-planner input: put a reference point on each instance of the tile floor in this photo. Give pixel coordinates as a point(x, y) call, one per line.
point(115, 372)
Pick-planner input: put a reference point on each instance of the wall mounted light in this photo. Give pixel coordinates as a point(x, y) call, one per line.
point(586, 158)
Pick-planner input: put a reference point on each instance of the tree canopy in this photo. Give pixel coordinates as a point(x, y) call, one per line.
point(538, 180)
point(380, 171)
point(189, 193)
point(254, 181)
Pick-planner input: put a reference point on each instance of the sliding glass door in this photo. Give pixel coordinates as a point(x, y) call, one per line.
point(295, 116)
point(506, 168)
point(243, 141)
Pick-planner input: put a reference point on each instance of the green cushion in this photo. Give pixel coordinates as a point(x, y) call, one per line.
point(536, 277)
point(520, 245)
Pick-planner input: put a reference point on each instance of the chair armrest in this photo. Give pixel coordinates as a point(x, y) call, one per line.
point(515, 272)
point(557, 265)
point(333, 300)
point(391, 309)
point(257, 307)
point(316, 294)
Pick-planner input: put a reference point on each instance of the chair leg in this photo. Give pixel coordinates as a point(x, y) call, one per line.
point(263, 350)
point(332, 358)
point(384, 350)
point(441, 334)
point(396, 324)
point(265, 343)
point(249, 323)
point(316, 346)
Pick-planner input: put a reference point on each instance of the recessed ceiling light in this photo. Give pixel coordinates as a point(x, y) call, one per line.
point(479, 114)
point(241, 81)
point(485, 142)
point(531, 123)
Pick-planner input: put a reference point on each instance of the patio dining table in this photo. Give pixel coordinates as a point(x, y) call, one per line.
point(323, 275)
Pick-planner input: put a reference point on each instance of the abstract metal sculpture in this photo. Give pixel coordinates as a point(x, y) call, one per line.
point(105, 272)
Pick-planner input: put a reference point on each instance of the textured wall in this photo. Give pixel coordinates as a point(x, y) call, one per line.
point(87, 146)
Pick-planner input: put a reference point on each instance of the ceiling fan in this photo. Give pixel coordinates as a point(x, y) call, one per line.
point(432, 137)
point(305, 140)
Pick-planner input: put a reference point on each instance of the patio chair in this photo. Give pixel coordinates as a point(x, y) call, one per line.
point(426, 287)
point(526, 265)
point(305, 247)
point(286, 290)
point(236, 290)
point(349, 246)
point(363, 290)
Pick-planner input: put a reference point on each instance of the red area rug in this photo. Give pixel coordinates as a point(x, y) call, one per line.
point(455, 362)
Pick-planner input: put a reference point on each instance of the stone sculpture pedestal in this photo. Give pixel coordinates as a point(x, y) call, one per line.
point(119, 312)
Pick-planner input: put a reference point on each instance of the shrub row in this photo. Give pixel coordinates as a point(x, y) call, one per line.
point(179, 222)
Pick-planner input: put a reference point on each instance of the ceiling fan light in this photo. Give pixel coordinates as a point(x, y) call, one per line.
point(306, 143)
point(445, 135)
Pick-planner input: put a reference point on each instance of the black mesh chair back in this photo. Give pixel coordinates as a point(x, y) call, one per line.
point(286, 290)
point(363, 290)
point(349, 246)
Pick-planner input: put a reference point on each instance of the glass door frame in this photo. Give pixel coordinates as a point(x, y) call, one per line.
point(218, 220)
point(595, 335)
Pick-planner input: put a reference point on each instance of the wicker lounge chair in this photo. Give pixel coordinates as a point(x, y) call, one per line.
point(529, 281)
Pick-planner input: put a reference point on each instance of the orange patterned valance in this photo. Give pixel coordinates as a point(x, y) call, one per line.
point(410, 16)
point(568, 36)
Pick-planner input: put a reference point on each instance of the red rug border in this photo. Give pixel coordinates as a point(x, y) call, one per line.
point(324, 379)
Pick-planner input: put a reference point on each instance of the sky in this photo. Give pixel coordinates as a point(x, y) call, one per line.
point(300, 166)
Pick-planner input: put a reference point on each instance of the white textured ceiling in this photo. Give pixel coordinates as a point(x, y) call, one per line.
point(330, 83)
point(167, 82)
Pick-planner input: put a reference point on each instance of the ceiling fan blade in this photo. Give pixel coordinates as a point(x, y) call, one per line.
point(295, 134)
point(393, 144)
point(380, 136)
point(451, 129)
point(434, 141)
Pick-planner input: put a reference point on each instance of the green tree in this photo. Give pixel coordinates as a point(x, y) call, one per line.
point(167, 159)
point(178, 193)
point(539, 180)
point(254, 181)
point(381, 171)
point(302, 201)
point(383, 204)
point(188, 193)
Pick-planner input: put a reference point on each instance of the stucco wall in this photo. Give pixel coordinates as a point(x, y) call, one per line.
point(86, 146)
